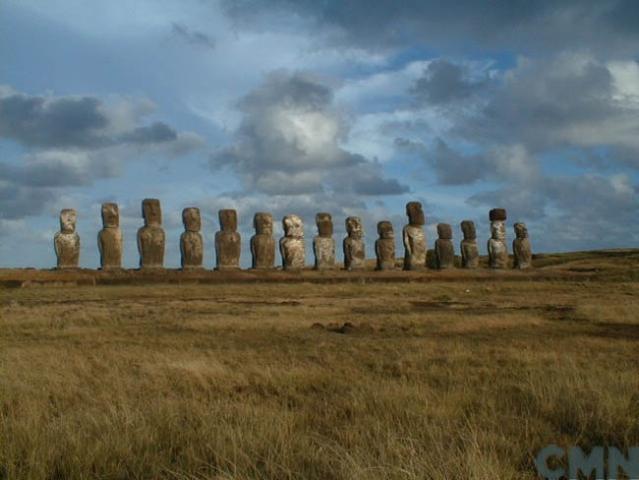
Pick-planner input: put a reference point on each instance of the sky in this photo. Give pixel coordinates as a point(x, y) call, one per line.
point(351, 107)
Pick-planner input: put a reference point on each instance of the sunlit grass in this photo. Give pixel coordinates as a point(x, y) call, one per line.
point(437, 380)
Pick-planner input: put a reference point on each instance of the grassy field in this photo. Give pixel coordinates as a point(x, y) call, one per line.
point(462, 379)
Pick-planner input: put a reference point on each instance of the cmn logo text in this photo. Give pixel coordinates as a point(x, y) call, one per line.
point(578, 462)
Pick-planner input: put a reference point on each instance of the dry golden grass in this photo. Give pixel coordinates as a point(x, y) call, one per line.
point(454, 380)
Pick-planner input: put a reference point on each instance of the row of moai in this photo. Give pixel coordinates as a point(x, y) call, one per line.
point(151, 241)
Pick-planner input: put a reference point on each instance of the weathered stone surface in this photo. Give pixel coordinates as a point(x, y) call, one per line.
point(263, 243)
point(354, 248)
point(444, 249)
point(468, 246)
point(522, 249)
point(414, 238)
point(324, 243)
point(497, 248)
point(110, 242)
point(497, 214)
point(151, 237)
point(385, 246)
point(67, 242)
point(228, 244)
point(191, 242)
point(292, 244)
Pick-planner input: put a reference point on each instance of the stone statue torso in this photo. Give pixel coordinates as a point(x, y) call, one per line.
point(444, 253)
point(67, 249)
point(385, 252)
point(151, 240)
point(522, 252)
point(497, 253)
point(227, 249)
point(324, 250)
point(110, 247)
point(469, 253)
point(414, 247)
point(292, 251)
point(354, 253)
point(263, 250)
point(192, 249)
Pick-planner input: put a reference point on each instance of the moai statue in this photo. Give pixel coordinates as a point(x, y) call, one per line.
point(385, 246)
point(67, 242)
point(468, 246)
point(444, 249)
point(354, 250)
point(324, 243)
point(191, 243)
point(521, 247)
point(497, 248)
point(292, 244)
point(263, 243)
point(414, 238)
point(110, 238)
point(228, 243)
point(151, 238)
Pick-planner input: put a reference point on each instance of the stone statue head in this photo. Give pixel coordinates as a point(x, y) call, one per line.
point(385, 229)
point(468, 229)
point(520, 230)
point(497, 214)
point(152, 212)
point(293, 226)
point(444, 231)
point(324, 223)
point(191, 219)
point(498, 230)
point(415, 213)
point(228, 220)
point(263, 223)
point(110, 215)
point(68, 217)
point(354, 227)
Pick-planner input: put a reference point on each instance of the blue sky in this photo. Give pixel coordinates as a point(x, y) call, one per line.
point(351, 107)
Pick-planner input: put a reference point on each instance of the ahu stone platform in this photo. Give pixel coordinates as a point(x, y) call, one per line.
point(552, 267)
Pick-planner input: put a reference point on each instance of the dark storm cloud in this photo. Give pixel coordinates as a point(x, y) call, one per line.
point(544, 104)
point(73, 141)
point(444, 82)
point(576, 212)
point(450, 166)
point(63, 122)
point(50, 174)
point(158, 132)
point(71, 122)
point(192, 37)
point(18, 201)
point(505, 25)
point(288, 143)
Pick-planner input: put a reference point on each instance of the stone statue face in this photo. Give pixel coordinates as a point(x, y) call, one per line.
point(324, 223)
point(293, 226)
point(444, 231)
point(152, 212)
point(110, 215)
point(263, 223)
point(354, 227)
point(385, 229)
point(228, 220)
point(520, 230)
point(468, 229)
point(68, 217)
point(191, 219)
point(498, 231)
point(415, 213)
